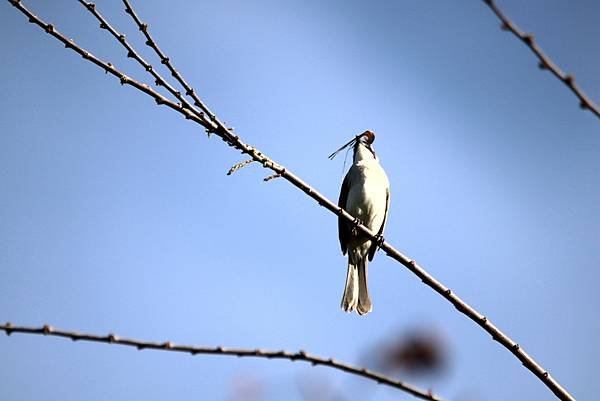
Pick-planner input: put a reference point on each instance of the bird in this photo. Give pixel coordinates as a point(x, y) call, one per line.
point(365, 194)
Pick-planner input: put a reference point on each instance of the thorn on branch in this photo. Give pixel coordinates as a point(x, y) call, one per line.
point(49, 28)
point(103, 25)
point(144, 28)
point(124, 80)
point(90, 6)
point(504, 26)
point(165, 60)
point(569, 80)
point(542, 65)
point(271, 177)
point(529, 38)
point(239, 166)
point(7, 329)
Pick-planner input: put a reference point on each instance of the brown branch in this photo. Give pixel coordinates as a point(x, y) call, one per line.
point(545, 63)
point(303, 356)
point(223, 132)
point(131, 52)
point(110, 68)
point(167, 62)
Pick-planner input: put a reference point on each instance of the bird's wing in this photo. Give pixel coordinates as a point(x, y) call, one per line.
point(344, 231)
point(373, 248)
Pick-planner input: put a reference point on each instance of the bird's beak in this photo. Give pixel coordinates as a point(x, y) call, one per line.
point(350, 143)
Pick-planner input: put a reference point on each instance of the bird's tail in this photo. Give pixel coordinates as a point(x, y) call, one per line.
point(350, 297)
point(364, 301)
point(356, 294)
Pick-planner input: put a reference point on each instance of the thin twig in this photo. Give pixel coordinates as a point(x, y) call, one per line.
point(131, 52)
point(216, 126)
point(189, 91)
point(110, 68)
point(239, 166)
point(303, 356)
point(545, 63)
point(271, 177)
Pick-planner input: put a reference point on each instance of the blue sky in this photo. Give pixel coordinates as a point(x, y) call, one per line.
point(117, 215)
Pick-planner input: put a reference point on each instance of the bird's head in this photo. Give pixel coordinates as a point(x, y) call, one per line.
point(365, 140)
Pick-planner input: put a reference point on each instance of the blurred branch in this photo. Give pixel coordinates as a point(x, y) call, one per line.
point(214, 125)
point(303, 356)
point(545, 63)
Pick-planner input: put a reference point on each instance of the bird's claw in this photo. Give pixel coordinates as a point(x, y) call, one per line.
point(355, 223)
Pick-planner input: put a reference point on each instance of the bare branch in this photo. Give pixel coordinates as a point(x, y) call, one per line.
point(545, 63)
point(303, 356)
point(110, 68)
point(166, 61)
point(131, 52)
point(215, 125)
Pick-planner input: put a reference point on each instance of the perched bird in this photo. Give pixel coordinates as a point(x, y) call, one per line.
point(365, 194)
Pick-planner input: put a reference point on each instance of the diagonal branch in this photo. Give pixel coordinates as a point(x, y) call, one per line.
point(214, 125)
point(303, 356)
point(158, 79)
point(165, 60)
point(111, 69)
point(545, 63)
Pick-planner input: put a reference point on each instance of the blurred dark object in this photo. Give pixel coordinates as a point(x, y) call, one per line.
point(418, 352)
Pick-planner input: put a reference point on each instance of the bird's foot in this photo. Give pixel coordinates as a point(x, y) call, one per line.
point(355, 223)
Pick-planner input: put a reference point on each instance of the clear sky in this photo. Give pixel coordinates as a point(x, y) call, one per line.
point(117, 216)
